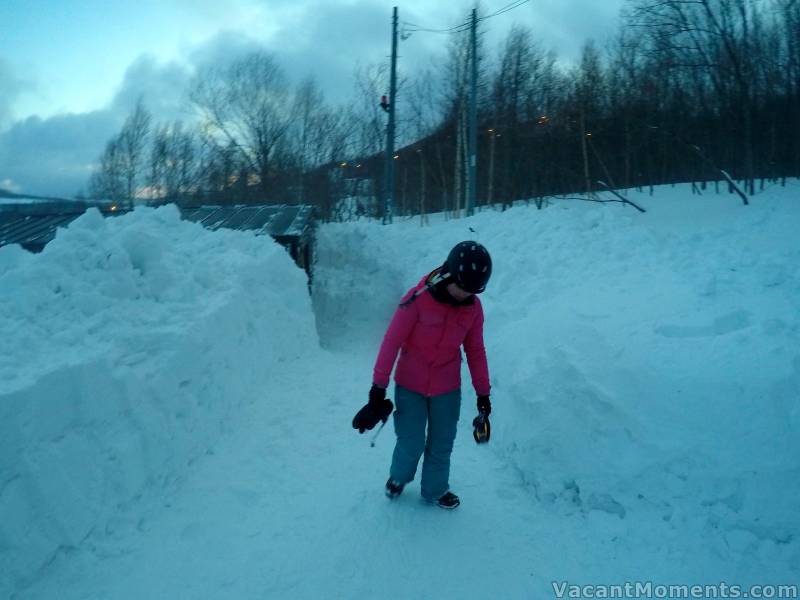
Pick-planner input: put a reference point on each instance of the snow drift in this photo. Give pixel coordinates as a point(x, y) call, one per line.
point(127, 346)
point(643, 365)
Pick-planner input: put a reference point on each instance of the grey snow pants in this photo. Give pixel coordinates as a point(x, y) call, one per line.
point(412, 413)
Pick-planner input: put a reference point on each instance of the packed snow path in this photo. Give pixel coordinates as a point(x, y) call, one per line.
point(292, 506)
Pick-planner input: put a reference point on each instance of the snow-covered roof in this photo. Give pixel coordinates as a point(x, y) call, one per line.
point(275, 220)
point(34, 228)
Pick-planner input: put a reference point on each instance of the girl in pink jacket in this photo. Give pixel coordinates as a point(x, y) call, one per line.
point(434, 320)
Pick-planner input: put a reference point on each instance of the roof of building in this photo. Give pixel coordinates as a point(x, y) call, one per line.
point(275, 220)
point(35, 225)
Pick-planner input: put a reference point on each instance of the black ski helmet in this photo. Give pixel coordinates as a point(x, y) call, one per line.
point(470, 266)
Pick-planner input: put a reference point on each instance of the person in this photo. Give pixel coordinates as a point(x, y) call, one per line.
point(434, 319)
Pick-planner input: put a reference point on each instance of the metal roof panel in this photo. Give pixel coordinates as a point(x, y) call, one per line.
point(25, 225)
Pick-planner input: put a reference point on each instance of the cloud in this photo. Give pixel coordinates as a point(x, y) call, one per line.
point(222, 49)
point(55, 156)
point(11, 87)
point(565, 25)
point(161, 87)
point(331, 40)
point(9, 185)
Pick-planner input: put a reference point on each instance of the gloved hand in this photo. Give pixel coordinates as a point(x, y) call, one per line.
point(377, 409)
point(484, 405)
point(481, 429)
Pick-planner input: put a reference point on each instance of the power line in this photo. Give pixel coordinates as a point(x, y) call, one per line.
point(413, 27)
point(409, 27)
point(505, 9)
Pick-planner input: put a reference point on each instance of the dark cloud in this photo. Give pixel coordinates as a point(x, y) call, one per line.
point(222, 49)
point(565, 25)
point(332, 40)
point(53, 157)
point(160, 86)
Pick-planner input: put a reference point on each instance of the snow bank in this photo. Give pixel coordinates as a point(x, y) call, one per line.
point(21, 200)
point(644, 366)
point(128, 345)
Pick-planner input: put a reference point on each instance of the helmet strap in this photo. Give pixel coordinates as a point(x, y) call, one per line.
point(438, 278)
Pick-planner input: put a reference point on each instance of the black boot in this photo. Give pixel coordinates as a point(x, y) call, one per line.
point(393, 489)
point(448, 500)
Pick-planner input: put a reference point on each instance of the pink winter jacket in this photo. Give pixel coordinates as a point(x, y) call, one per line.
point(429, 335)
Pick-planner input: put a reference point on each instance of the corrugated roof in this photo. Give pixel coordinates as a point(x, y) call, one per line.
point(277, 221)
point(36, 227)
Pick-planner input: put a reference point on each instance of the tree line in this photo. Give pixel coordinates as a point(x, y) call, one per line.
point(686, 91)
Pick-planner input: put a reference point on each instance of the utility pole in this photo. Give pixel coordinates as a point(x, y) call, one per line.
point(472, 139)
point(490, 193)
point(388, 191)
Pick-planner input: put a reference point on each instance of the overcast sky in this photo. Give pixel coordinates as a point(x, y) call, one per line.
point(70, 70)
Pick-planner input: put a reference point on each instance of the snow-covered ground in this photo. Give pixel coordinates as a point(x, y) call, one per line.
point(172, 425)
point(22, 200)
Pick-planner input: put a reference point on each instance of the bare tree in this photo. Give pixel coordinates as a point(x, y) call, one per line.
point(718, 39)
point(371, 82)
point(589, 90)
point(220, 167)
point(513, 102)
point(173, 162)
point(789, 31)
point(424, 120)
point(107, 182)
point(454, 99)
point(132, 145)
point(121, 168)
point(319, 132)
point(368, 122)
point(246, 105)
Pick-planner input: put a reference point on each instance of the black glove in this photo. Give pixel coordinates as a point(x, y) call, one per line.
point(484, 405)
point(376, 395)
point(377, 409)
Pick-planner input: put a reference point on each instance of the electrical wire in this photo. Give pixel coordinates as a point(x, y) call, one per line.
point(413, 27)
point(505, 9)
point(409, 27)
